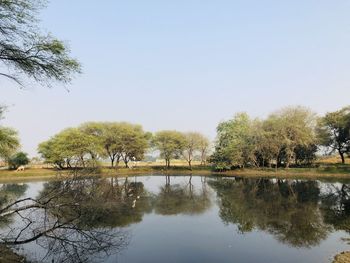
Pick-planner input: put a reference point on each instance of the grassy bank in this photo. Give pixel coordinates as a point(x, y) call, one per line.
point(324, 171)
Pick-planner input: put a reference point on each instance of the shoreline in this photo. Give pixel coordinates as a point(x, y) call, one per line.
point(329, 173)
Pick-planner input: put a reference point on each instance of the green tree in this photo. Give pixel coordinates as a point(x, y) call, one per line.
point(49, 150)
point(233, 145)
point(24, 50)
point(170, 144)
point(134, 142)
point(18, 159)
point(109, 138)
point(295, 126)
point(194, 142)
point(70, 147)
point(204, 145)
point(9, 142)
point(305, 154)
point(333, 131)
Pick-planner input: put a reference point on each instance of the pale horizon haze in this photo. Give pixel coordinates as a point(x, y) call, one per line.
point(186, 65)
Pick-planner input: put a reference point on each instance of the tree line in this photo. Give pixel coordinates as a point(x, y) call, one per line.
point(119, 142)
point(292, 135)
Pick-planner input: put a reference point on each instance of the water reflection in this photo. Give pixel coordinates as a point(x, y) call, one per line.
point(10, 193)
point(183, 198)
point(296, 212)
point(62, 221)
point(88, 220)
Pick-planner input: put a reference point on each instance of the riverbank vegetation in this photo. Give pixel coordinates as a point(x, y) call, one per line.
point(293, 137)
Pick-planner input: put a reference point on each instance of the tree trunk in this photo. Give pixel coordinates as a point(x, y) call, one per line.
point(190, 164)
point(341, 156)
point(168, 163)
point(287, 162)
point(117, 162)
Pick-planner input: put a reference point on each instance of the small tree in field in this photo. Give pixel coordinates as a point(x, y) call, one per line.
point(18, 159)
point(170, 144)
point(195, 142)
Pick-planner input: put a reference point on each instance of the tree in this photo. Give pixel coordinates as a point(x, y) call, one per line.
point(305, 154)
point(49, 150)
point(24, 50)
point(233, 145)
point(134, 142)
point(92, 141)
point(296, 127)
point(242, 141)
point(18, 159)
point(195, 142)
point(108, 138)
point(203, 146)
point(9, 141)
point(170, 144)
point(70, 147)
point(93, 131)
point(333, 131)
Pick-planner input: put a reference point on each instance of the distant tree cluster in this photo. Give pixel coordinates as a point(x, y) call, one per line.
point(118, 141)
point(174, 145)
point(74, 147)
point(292, 135)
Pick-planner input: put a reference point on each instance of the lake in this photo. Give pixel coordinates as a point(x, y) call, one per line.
point(183, 219)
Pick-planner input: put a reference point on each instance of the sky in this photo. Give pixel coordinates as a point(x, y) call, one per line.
point(187, 64)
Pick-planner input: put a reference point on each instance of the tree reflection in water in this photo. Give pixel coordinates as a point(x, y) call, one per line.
point(183, 198)
point(295, 212)
point(81, 220)
point(70, 219)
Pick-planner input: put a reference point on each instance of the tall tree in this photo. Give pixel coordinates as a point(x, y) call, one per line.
point(233, 146)
point(25, 50)
point(334, 131)
point(170, 145)
point(111, 140)
point(204, 145)
point(296, 127)
point(195, 142)
point(134, 142)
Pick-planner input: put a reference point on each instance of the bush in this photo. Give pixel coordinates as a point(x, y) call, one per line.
point(17, 160)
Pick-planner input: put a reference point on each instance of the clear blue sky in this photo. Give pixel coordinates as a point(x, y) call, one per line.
point(187, 64)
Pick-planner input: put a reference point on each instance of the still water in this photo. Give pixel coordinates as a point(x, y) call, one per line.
point(186, 219)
